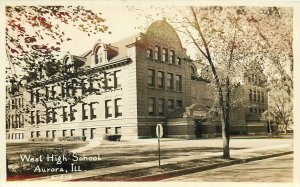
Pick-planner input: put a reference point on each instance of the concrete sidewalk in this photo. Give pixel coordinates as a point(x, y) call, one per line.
point(238, 154)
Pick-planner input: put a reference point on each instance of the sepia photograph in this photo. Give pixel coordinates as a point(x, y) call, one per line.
point(157, 92)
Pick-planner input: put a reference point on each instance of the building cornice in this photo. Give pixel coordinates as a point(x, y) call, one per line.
point(106, 66)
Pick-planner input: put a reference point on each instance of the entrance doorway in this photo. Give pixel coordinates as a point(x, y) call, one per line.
point(198, 129)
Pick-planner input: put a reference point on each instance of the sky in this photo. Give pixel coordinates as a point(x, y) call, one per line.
point(119, 19)
point(123, 21)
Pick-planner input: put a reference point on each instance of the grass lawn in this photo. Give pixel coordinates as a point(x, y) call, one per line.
point(111, 155)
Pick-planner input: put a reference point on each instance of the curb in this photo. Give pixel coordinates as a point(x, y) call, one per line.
point(175, 173)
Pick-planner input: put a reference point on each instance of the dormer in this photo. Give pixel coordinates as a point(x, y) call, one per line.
point(71, 62)
point(99, 53)
point(103, 53)
point(68, 63)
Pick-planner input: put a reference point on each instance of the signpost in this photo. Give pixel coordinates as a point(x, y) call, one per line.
point(159, 134)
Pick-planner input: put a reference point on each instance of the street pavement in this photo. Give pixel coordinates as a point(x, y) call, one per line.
point(277, 169)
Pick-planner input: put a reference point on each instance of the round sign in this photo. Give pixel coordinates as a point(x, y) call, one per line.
point(159, 130)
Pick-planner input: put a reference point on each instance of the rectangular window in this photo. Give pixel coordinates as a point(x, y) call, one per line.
point(63, 93)
point(172, 57)
point(179, 104)
point(37, 117)
point(118, 130)
point(151, 106)
point(46, 93)
point(108, 108)
point(31, 99)
point(249, 79)
point(31, 118)
point(13, 121)
point(178, 61)
point(91, 84)
point(54, 115)
point(165, 55)
point(254, 95)
point(149, 53)
point(16, 103)
point(64, 133)
point(170, 104)
point(118, 107)
point(20, 105)
point(108, 130)
point(151, 77)
point(109, 78)
point(73, 87)
point(156, 53)
point(250, 95)
point(83, 87)
point(22, 123)
point(262, 97)
point(84, 132)
point(53, 92)
point(72, 113)
point(93, 111)
point(47, 116)
point(16, 120)
point(160, 79)
point(117, 80)
point(8, 105)
point(178, 83)
point(161, 107)
point(84, 112)
point(68, 89)
point(170, 81)
point(65, 114)
point(32, 134)
point(92, 131)
point(38, 134)
point(72, 132)
point(258, 96)
point(47, 134)
point(53, 133)
point(13, 104)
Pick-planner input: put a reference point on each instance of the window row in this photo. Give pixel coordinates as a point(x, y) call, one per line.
point(163, 55)
point(68, 89)
point(254, 79)
point(14, 121)
point(162, 104)
point(164, 82)
point(257, 110)
point(88, 112)
point(15, 136)
point(257, 96)
point(90, 133)
point(15, 103)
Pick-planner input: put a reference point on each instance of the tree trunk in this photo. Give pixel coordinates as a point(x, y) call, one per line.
point(224, 105)
point(225, 137)
point(286, 128)
point(225, 126)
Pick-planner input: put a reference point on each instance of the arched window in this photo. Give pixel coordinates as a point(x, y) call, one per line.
point(193, 71)
point(66, 63)
point(98, 55)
